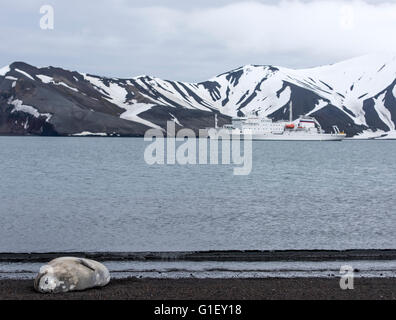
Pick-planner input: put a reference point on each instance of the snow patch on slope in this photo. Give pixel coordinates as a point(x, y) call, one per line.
point(369, 134)
point(24, 73)
point(115, 93)
point(45, 79)
point(132, 114)
point(383, 112)
point(89, 134)
point(48, 80)
point(249, 88)
point(118, 95)
point(4, 70)
point(348, 83)
point(391, 135)
point(362, 72)
point(19, 106)
point(99, 85)
point(172, 91)
point(321, 104)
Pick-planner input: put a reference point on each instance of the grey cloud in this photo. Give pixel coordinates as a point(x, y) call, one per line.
point(191, 40)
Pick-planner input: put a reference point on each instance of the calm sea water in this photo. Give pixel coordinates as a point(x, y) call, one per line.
point(98, 194)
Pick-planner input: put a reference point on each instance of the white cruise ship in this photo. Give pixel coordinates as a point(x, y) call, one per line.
point(303, 129)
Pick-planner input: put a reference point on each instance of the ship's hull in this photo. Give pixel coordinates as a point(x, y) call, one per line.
point(287, 137)
point(298, 137)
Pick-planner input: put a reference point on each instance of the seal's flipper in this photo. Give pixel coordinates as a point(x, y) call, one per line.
point(87, 264)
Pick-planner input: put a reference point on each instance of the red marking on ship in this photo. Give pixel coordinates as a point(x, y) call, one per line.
point(307, 121)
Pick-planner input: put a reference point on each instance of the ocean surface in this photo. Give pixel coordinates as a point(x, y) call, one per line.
point(98, 194)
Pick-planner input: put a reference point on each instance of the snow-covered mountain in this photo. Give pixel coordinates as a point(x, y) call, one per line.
point(357, 95)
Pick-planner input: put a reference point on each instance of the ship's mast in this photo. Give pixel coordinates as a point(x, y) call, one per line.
point(291, 111)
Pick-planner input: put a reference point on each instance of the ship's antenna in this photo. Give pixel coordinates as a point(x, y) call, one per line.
point(216, 121)
point(291, 111)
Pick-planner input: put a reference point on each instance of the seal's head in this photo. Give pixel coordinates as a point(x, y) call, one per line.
point(46, 281)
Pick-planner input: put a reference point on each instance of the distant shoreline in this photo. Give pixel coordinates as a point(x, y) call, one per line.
point(142, 136)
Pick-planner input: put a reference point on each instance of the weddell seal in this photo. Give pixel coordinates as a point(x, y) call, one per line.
point(71, 274)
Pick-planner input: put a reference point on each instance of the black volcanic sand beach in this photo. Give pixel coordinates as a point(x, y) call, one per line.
point(215, 289)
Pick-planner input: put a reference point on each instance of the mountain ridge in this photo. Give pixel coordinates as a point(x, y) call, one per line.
point(357, 95)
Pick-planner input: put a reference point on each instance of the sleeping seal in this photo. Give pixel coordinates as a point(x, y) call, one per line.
point(71, 274)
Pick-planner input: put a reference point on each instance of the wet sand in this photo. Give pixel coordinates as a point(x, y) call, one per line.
point(215, 289)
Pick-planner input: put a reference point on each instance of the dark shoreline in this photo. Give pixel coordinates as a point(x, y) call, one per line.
point(231, 255)
point(215, 289)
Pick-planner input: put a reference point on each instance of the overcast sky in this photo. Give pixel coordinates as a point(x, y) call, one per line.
point(193, 40)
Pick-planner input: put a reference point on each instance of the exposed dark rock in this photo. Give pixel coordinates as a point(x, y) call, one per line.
point(53, 101)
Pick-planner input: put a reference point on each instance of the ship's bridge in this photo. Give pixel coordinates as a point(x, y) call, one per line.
point(254, 124)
